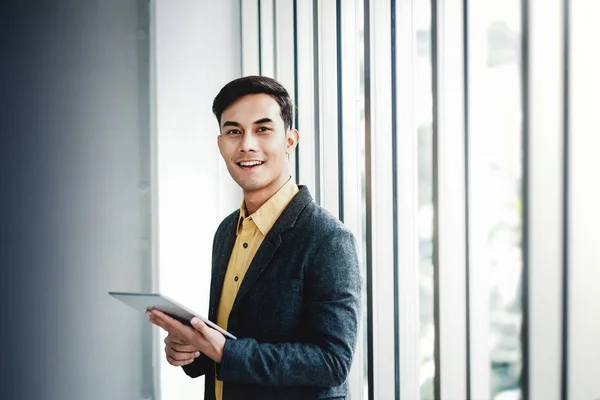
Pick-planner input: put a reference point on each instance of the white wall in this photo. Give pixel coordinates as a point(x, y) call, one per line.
point(73, 167)
point(197, 51)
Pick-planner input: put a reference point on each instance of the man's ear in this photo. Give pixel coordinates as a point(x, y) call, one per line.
point(219, 138)
point(293, 136)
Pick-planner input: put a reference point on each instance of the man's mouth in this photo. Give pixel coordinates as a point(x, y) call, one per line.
point(249, 164)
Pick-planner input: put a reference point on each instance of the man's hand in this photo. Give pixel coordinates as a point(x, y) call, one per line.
point(179, 352)
point(201, 337)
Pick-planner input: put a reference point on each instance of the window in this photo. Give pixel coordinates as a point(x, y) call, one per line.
point(495, 200)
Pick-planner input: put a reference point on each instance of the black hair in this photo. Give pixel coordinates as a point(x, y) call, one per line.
point(241, 87)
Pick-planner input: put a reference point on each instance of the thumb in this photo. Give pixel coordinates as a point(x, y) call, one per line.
point(198, 324)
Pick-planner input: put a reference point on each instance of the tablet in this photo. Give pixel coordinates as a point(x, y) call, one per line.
point(146, 301)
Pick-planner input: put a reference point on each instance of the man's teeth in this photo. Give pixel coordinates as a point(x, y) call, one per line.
point(250, 163)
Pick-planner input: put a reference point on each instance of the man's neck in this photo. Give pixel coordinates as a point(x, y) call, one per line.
point(255, 199)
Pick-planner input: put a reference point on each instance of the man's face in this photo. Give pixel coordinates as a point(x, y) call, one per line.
point(254, 143)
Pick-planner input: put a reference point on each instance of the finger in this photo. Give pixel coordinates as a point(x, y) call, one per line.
point(188, 348)
point(179, 340)
point(206, 330)
point(175, 339)
point(165, 321)
point(152, 318)
point(157, 313)
point(157, 323)
point(180, 355)
point(184, 333)
point(199, 325)
point(179, 363)
point(154, 322)
point(182, 346)
point(161, 316)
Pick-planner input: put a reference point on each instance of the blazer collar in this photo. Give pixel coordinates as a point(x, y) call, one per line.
point(263, 256)
point(266, 251)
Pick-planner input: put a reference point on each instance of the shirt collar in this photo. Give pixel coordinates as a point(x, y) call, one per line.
point(266, 216)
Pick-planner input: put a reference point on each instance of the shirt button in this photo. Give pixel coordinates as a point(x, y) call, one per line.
point(235, 279)
point(245, 245)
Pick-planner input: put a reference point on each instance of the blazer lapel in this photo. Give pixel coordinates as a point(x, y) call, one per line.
point(221, 260)
point(272, 241)
point(260, 261)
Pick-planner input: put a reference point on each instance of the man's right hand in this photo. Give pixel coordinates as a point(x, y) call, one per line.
point(179, 352)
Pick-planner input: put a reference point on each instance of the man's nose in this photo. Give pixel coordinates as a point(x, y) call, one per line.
point(248, 142)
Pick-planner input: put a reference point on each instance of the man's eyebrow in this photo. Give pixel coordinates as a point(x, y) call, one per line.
point(231, 123)
point(262, 121)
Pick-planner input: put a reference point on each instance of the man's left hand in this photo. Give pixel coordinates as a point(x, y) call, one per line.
point(206, 339)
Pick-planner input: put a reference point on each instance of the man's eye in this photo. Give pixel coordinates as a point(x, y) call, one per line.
point(263, 129)
point(233, 132)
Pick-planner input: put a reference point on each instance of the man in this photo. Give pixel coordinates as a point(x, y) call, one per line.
point(285, 274)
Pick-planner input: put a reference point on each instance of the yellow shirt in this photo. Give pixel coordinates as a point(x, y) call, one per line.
point(251, 232)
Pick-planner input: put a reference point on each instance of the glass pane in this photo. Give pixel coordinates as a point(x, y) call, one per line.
point(423, 122)
point(360, 59)
point(495, 113)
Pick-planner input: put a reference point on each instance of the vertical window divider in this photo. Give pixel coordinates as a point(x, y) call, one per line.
point(582, 216)
point(406, 201)
point(329, 118)
point(307, 95)
point(542, 186)
point(250, 37)
point(380, 198)
point(450, 246)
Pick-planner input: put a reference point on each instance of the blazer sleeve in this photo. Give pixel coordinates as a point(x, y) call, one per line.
point(200, 366)
point(332, 290)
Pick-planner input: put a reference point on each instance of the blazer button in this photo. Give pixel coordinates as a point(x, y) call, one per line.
point(235, 279)
point(245, 245)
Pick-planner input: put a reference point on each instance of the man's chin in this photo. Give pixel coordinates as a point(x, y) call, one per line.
point(256, 184)
point(249, 187)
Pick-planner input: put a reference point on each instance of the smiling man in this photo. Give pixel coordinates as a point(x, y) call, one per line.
point(285, 273)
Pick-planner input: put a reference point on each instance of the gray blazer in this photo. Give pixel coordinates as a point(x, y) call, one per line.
point(297, 311)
